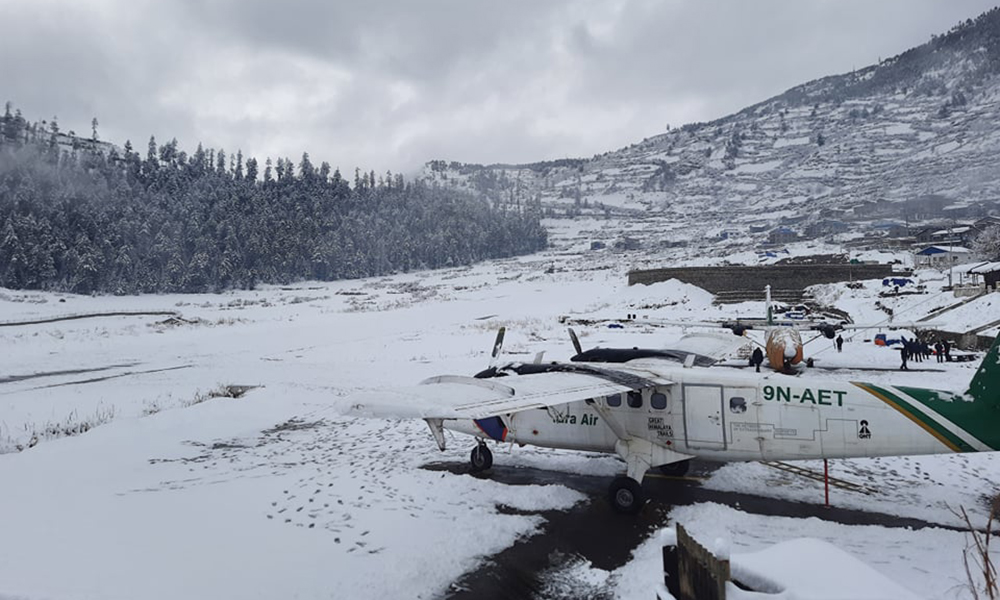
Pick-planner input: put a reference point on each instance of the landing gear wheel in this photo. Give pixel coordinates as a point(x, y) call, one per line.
point(481, 458)
point(625, 495)
point(677, 469)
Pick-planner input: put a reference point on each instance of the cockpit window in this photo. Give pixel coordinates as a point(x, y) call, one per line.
point(635, 399)
point(658, 401)
point(614, 400)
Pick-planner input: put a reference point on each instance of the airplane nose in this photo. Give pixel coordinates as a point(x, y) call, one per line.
point(789, 351)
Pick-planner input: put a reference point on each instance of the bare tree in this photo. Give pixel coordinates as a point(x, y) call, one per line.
point(979, 568)
point(987, 243)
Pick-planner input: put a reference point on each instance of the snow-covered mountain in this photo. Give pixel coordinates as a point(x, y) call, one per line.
point(917, 134)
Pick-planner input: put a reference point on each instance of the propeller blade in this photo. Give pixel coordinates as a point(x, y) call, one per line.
point(576, 341)
point(497, 347)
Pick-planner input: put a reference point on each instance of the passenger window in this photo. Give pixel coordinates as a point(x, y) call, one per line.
point(614, 400)
point(658, 401)
point(635, 399)
point(737, 405)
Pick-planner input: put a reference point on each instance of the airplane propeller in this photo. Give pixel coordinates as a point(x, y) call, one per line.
point(497, 347)
point(576, 341)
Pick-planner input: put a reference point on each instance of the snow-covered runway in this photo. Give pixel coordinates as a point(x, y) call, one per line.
point(176, 493)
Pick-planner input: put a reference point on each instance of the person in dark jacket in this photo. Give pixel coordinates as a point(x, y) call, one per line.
point(840, 343)
point(757, 358)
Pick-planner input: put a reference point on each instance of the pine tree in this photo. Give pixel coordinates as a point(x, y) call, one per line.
point(238, 173)
point(251, 170)
point(152, 163)
point(306, 170)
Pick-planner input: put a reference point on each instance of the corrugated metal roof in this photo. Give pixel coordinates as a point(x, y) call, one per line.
point(985, 268)
point(943, 249)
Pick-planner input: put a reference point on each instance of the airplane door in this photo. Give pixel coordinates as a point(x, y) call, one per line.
point(704, 419)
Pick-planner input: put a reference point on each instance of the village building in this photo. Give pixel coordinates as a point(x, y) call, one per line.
point(990, 274)
point(782, 235)
point(942, 256)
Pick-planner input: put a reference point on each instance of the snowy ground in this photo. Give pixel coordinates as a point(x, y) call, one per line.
point(176, 493)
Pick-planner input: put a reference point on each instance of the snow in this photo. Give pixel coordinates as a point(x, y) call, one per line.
point(898, 129)
point(796, 141)
point(794, 556)
point(759, 167)
point(274, 494)
point(812, 569)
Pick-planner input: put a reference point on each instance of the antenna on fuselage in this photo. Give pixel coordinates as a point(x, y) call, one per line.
point(767, 303)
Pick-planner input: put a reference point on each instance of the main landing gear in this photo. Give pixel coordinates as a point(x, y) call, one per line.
point(675, 469)
point(626, 495)
point(481, 458)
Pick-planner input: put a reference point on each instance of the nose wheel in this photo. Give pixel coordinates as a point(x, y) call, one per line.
point(626, 496)
point(481, 458)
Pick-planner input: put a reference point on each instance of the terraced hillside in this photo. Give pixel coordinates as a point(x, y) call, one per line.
point(913, 137)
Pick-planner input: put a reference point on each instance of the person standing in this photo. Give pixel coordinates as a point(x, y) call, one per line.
point(946, 348)
point(904, 354)
point(840, 343)
point(939, 351)
point(757, 358)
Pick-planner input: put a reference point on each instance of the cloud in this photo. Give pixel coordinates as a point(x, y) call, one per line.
point(391, 84)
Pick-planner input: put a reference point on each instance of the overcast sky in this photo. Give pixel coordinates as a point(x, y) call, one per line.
point(391, 84)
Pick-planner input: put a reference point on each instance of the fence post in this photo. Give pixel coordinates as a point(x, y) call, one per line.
point(671, 573)
point(700, 575)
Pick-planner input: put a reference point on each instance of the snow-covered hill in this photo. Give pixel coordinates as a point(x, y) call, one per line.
point(918, 131)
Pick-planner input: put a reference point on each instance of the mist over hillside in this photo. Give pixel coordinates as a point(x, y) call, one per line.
point(915, 130)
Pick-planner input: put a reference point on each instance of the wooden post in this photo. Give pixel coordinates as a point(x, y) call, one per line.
point(671, 573)
point(701, 575)
point(826, 481)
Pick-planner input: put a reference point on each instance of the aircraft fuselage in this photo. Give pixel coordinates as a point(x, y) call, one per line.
point(743, 416)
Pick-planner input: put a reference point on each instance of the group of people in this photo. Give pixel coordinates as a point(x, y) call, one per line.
point(919, 350)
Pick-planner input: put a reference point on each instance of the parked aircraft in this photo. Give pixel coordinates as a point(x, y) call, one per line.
point(660, 408)
point(783, 344)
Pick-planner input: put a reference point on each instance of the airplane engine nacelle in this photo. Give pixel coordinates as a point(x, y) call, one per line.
point(829, 331)
point(783, 347)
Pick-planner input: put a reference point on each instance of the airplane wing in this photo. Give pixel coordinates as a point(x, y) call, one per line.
point(718, 346)
point(458, 397)
point(889, 324)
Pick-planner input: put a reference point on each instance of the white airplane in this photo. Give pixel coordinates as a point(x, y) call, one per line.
point(659, 408)
point(783, 345)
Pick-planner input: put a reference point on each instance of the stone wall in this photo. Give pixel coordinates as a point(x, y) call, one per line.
point(753, 279)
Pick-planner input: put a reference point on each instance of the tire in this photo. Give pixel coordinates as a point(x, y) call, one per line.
point(677, 469)
point(481, 458)
point(626, 495)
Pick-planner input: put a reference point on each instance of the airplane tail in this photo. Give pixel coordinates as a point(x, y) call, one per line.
point(985, 384)
point(967, 422)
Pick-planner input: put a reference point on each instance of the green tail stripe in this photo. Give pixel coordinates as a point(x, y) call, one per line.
point(918, 416)
point(976, 417)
